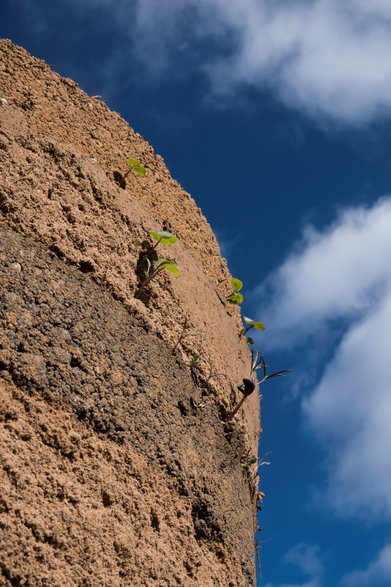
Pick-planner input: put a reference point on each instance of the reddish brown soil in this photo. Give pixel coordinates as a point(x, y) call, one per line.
point(110, 475)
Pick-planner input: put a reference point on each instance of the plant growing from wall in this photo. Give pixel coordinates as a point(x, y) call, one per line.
point(198, 405)
point(251, 324)
point(159, 266)
point(249, 384)
point(259, 461)
point(150, 266)
point(135, 165)
point(235, 297)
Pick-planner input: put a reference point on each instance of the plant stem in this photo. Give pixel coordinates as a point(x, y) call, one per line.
point(152, 248)
point(155, 272)
point(233, 413)
point(244, 331)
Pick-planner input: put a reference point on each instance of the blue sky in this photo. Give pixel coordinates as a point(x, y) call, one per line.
point(275, 116)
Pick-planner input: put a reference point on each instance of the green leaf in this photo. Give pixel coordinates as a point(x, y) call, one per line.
point(195, 360)
point(259, 325)
point(131, 162)
point(140, 170)
point(252, 460)
point(136, 166)
point(169, 265)
point(248, 320)
point(249, 340)
point(235, 298)
point(166, 238)
point(236, 284)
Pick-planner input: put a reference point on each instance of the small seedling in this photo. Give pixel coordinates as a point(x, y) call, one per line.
point(163, 237)
point(153, 268)
point(195, 361)
point(250, 340)
point(259, 462)
point(251, 324)
point(159, 266)
point(249, 385)
point(235, 297)
point(198, 405)
point(135, 165)
point(251, 461)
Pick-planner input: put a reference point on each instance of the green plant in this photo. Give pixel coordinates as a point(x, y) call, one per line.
point(251, 461)
point(154, 267)
point(249, 385)
point(195, 361)
point(235, 297)
point(198, 405)
point(158, 267)
point(164, 237)
point(135, 165)
point(251, 324)
point(260, 461)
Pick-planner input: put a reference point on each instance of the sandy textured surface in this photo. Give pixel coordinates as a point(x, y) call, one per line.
point(110, 475)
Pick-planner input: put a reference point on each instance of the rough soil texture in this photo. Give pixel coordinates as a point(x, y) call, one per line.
point(110, 474)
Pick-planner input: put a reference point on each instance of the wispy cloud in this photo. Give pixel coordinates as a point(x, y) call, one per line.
point(339, 279)
point(333, 274)
point(377, 574)
point(307, 558)
point(350, 410)
point(328, 58)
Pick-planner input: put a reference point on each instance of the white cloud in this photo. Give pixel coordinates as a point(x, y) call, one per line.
point(343, 275)
point(306, 557)
point(377, 574)
point(335, 273)
point(326, 57)
point(350, 410)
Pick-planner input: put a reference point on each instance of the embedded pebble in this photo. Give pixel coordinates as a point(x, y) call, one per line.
point(3, 101)
point(16, 267)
